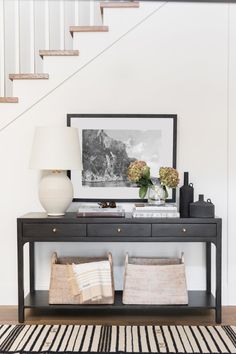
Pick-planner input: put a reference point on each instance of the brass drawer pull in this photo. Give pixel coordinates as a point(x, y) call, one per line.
point(184, 230)
point(118, 230)
point(54, 230)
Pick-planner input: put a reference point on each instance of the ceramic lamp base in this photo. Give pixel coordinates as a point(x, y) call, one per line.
point(55, 193)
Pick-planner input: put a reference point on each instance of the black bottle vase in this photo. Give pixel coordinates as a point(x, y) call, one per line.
point(185, 197)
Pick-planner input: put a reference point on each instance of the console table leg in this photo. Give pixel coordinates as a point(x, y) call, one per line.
point(20, 254)
point(32, 267)
point(208, 267)
point(218, 279)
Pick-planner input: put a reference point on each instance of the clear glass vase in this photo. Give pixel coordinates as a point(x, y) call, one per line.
point(156, 194)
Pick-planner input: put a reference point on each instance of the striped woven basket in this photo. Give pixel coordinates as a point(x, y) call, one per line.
point(60, 289)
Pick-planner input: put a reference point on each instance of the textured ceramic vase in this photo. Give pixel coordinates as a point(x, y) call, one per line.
point(202, 208)
point(55, 193)
point(185, 197)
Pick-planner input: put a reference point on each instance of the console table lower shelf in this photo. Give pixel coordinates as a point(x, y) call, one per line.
point(197, 300)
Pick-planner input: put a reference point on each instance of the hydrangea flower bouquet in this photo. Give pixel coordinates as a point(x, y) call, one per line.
point(139, 173)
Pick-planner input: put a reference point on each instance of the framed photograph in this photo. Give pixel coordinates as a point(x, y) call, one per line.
point(110, 142)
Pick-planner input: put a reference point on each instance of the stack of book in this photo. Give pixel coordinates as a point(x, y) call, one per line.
point(142, 210)
point(97, 211)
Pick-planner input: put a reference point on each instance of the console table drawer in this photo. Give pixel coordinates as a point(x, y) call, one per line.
point(37, 230)
point(184, 230)
point(132, 230)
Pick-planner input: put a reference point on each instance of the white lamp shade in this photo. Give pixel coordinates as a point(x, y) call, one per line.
point(56, 148)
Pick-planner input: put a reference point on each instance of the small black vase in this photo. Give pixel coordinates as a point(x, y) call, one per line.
point(185, 197)
point(202, 208)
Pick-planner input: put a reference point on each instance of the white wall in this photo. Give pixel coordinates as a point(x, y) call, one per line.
point(175, 62)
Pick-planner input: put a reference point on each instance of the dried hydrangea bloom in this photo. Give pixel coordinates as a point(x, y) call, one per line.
point(136, 170)
point(169, 177)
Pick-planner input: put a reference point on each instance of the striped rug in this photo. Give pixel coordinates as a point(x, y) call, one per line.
point(116, 339)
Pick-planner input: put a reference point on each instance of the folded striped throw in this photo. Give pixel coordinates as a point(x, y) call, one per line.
point(92, 281)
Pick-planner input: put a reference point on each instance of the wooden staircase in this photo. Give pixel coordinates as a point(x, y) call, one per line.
point(57, 53)
point(9, 99)
point(28, 76)
point(118, 5)
point(88, 29)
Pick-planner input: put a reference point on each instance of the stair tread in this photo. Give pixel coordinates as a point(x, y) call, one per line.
point(43, 53)
point(28, 76)
point(9, 99)
point(88, 29)
point(115, 4)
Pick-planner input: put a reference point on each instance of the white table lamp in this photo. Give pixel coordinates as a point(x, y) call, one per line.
point(56, 149)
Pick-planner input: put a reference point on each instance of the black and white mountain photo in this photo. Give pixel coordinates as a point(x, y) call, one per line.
point(107, 154)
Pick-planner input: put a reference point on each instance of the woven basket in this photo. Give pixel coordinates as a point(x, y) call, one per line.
point(60, 289)
point(156, 281)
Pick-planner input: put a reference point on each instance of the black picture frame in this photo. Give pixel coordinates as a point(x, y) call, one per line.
point(149, 120)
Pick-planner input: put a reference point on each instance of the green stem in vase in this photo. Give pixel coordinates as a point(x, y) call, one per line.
point(166, 192)
point(143, 191)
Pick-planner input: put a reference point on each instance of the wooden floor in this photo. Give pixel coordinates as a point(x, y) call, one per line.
point(8, 315)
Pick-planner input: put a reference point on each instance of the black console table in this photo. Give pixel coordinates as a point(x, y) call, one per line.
point(37, 227)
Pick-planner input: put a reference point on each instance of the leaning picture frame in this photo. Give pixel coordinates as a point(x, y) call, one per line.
point(110, 142)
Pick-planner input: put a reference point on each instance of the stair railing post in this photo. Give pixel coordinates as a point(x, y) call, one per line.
point(62, 25)
point(47, 25)
point(26, 33)
point(70, 18)
point(91, 12)
point(56, 12)
point(11, 42)
point(2, 51)
point(97, 14)
point(84, 13)
point(76, 12)
point(17, 36)
point(32, 36)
